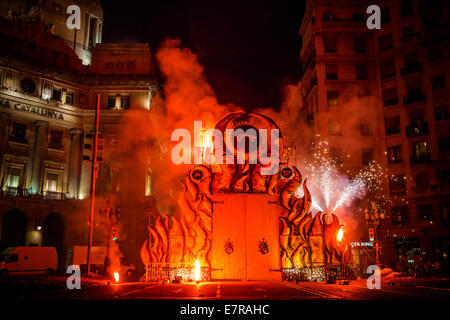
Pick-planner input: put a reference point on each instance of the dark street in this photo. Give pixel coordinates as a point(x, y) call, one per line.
point(55, 288)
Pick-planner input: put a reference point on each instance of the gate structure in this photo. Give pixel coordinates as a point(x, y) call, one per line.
point(241, 224)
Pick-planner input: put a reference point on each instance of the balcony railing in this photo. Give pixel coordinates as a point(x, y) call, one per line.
point(413, 98)
point(53, 195)
point(16, 192)
point(412, 68)
point(417, 130)
point(417, 159)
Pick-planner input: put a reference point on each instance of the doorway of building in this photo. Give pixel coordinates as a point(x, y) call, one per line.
point(53, 236)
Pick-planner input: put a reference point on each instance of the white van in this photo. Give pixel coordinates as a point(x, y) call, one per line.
point(28, 260)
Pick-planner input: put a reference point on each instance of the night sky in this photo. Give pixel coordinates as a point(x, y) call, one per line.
point(250, 50)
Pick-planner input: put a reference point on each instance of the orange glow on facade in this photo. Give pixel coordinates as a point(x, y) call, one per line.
point(116, 276)
point(340, 234)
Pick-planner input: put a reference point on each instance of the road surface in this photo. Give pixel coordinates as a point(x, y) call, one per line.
point(55, 288)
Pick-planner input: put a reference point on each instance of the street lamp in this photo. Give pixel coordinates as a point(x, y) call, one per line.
point(374, 218)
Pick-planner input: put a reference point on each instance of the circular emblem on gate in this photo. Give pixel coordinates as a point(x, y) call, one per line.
point(286, 172)
point(263, 246)
point(228, 246)
point(197, 174)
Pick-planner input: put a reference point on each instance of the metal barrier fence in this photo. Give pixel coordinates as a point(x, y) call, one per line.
point(335, 271)
point(174, 272)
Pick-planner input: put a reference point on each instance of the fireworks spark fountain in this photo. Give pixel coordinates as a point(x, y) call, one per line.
point(331, 189)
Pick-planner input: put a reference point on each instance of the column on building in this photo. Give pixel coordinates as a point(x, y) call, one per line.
point(40, 143)
point(4, 121)
point(75, 162)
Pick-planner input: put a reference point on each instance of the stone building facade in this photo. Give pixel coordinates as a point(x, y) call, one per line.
point(48, 97)
point(396, 80)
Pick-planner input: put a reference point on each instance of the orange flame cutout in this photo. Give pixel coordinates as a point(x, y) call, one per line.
point(340, 234)
point(116, 276)
point(197, 271)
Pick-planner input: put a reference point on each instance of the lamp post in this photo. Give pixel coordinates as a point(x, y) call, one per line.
point(374, 218)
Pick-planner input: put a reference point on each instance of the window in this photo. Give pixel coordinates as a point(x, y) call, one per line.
point(406, 8)
point(19, 132)
point(445, 177)
point(51, 184)
point(55, 139)
point(125, 102)
point(111, 102)
point(394, 154)
point(332, 71)
point(334, 128)
point(400, 216)
point(367, 156)
point(390, 97)
point(336, 155)
point(420, 150)
point(438, 82)
point(444, 144)
point(69, 98)
point(332, 98)
point(416, 117)
point(28, 85)
point(408, 31)
point(441, 113)
point(385, 17)
point(362, 72)
point(328, 16)
point(386, 42)
point(330, 45)
point(425, 211)
point(435, 53)
point(13, 177)
point(392, 125)
point(364, 129)
point(56, 95)
point(12, 258)
point(360, 45)
point(92, 33)
point(387, 69)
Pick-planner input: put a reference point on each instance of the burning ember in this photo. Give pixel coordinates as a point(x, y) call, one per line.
point(197, 271)
point(116, 276)
point(340, 234)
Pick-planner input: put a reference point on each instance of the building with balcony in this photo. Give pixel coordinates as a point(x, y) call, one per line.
point(396, 79)
point(47, 108)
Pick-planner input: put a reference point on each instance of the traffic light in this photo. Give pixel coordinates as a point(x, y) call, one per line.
point(88, 147)
point(371, 234)
point(114, 234)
